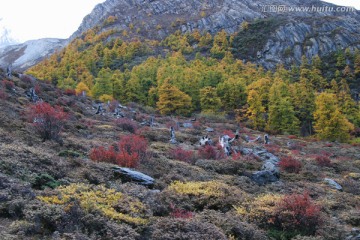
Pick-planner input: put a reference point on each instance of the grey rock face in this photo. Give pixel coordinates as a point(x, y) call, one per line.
point(307, 33)
point(311, 37)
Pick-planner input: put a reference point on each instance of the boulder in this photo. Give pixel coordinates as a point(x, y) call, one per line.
point(269, 171)
point(187, 125)
point(209, 129)
point(128, 175)
point(333, 184)
point(264, 177)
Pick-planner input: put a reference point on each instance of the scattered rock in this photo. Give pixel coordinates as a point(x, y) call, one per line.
point(209, 129)
point(128, 175)
point(269, 171)
point(187, 125)
point(333, 184)
point(264, 177)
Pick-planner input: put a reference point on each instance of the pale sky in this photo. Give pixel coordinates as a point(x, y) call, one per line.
point(34, 19)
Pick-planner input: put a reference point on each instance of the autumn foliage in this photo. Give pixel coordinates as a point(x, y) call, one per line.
point(47, 121)
point(8, 85)
point(323, 161)
point(290, 164)
point(102, 154)
point(182, 154)
point(127, 153)
point(210, 152)
point(180, 213)
point(297, 212)
point(126, 124)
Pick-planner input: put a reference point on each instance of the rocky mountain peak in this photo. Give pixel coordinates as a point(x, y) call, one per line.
point(302, 28)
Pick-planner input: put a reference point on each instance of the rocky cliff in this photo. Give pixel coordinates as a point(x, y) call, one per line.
point(307, 27)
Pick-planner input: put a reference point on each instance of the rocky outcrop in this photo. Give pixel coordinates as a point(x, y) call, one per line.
point(310, 37)
point(270, 171)
point(302, 32)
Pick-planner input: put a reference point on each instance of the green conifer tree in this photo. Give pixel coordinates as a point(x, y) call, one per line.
point(330, 123)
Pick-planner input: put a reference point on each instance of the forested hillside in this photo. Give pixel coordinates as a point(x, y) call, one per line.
point(197, 72)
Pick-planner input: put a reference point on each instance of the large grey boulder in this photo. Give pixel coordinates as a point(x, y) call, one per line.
point(269, 171)
point(264, 177)
point(129, 175)
point(333, 184)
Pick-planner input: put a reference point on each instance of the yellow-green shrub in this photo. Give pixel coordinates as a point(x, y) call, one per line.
point(211, 188)
point(204, 195)
point(259, 210)
point(99, 198)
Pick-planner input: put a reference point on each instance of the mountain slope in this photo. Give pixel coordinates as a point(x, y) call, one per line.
point(198, 193)
point(24, 55)
point(301, 32)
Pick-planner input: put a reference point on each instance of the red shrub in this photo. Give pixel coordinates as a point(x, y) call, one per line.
point(3, 95)
point(197, 125)
point(126, 124)
point(323, 161)
point(237, 156)
point(48, 121)
point(133, 144)
point(101, 154)
point(209, 152)
point(37, 89)
point(26, 79)
point(290, 164)
point(180, 213)
point(297, 212)
point(292, 137)
point(8, 85)
point(131, 149)
point(229, 133)
point(125, 159)
point(182, 155)
point(272, 148)
point(326, 154)
point(70, 92)
point(295, 152)
point(344, 159)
